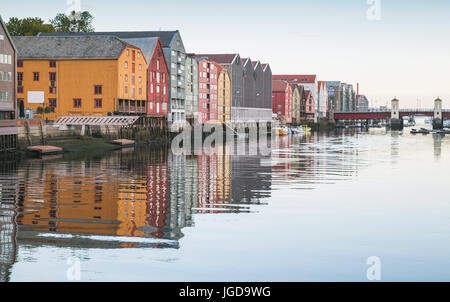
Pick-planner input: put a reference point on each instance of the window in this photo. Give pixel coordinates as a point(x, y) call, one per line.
point(164, 106)
point(126, 89)
point(158, 77)
point(151, 88)
point(128, 52)
point(76, 103)
point(140, 80)
point(140, 91)
point(2, 37)
point(126, 64)
point(126, 78)
point(52, 76)
point(157, 64)
point(157, 89)
point(164, 90)
point(35, 76)
point(139, 55)
point(20, 63)
point(133, 68)
point(52, 104)
point(20, 76)
point(98, 103)
point(52, 89)
point(133, 55)
point(19, 89)
point(140, 66)
point(98, 89)
point(132, 80)
point(52, 64)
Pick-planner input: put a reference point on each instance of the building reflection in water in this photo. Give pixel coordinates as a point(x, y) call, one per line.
point(149, 195)
point(437, 146)
point(8, 227)
point(144, 198)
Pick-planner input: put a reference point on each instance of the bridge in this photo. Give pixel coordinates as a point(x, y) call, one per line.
point(395, 115)
point(379, 114)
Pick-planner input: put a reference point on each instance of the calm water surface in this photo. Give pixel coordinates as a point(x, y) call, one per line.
point(313, 211)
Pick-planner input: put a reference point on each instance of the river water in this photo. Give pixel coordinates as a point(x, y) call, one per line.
point(315, 210)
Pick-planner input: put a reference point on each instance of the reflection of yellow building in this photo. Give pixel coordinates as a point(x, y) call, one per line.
point(224, 97)
point(224, 173)
point(63, 204)
point(80, 75)
point(132, 208)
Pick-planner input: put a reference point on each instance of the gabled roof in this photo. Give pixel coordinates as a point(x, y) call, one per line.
point(321, 85)
point(223, 59)
point(245, 61)
point(265, 67)
point(7, 33)
point(73, 47)
point(165, 36)
point(147, 46)
point(256, 64)
point(298, 78)
point(308, 94)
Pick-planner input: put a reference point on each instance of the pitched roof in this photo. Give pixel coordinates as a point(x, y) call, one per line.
point(147, 46)
point(321, 85)
point(299, 78)
point(165, 36)
point(308, 94)
point(265, 67)
point(244, 60)
point(223, 59)
point(63, 47)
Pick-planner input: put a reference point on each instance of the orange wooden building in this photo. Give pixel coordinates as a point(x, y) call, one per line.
point(80, 75)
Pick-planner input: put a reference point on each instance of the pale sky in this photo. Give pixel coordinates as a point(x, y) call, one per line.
point(406, 54)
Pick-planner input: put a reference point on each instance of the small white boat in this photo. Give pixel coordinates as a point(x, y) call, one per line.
point(298, 130)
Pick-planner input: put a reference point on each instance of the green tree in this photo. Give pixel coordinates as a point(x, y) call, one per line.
point(27, 26)
point(74, 22)
point(40, 110)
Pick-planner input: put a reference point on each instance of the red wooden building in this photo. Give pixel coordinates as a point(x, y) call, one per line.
point(157, 75)
point(208, 73)
point(310, 104)
point(282, 100)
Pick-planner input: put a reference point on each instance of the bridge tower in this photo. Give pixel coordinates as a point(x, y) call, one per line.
point(396, 121)
point(438, 121)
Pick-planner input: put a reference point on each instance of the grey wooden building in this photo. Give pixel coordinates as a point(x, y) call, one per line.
point(8, 84)
point(191, 89)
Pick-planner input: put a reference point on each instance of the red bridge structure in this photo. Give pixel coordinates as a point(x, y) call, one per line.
point(395, 115)
point(379, 115)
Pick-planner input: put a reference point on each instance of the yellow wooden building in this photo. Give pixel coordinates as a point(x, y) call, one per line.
point(224, 97)
point(80, 75)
